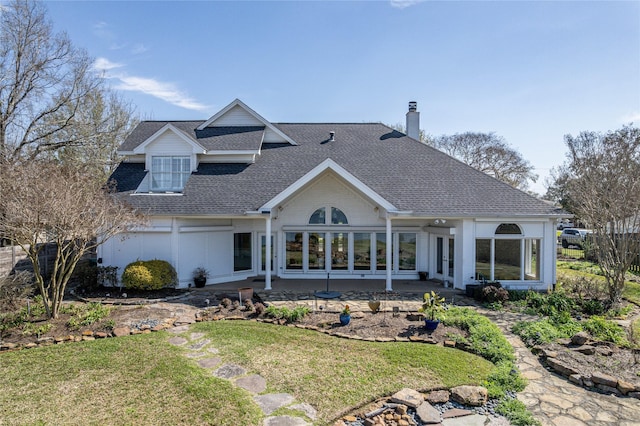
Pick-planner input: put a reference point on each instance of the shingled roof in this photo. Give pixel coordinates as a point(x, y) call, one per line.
point(412, 176)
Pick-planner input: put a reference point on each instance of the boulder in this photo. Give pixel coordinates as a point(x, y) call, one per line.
point(561, 368)
point(625, 387)
point(470, 395)
point(121, 331)
point(580, 338)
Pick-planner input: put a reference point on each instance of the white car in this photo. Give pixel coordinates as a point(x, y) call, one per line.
point(574, 237)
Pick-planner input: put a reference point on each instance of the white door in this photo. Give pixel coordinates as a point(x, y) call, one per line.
point(444, 261)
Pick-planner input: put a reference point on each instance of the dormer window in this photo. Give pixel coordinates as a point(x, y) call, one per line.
point(169, 173)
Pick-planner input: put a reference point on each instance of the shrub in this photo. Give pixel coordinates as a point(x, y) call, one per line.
point(505, 377)
point(284, 313)
point(516, 412)
point(603, 329)
point(259, 308)
point(546, 330)
point(593, 307)
point(86, 274)
point(87, 314)
point(491, 294)
point(149, 275)
point(485, 337)
point(226, 302)
point(248, 305)
point(13, 289)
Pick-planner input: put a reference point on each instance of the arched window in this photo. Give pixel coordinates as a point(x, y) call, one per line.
point(338, 217)
point(508, 228)
point(319, 217)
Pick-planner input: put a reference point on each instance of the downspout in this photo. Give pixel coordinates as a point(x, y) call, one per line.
point(388, 252)
point(267, 260)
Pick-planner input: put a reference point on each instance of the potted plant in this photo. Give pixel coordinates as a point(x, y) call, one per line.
point(345, 315)
point(200, 276)
point(432, 307)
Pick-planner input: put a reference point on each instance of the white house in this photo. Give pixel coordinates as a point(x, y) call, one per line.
point(353, 200)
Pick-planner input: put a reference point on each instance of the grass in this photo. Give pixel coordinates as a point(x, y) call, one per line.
point(140, 380)
point(334, 374)
point(143, 380)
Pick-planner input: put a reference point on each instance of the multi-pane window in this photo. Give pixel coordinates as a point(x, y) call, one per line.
point(169, 173)
point(319, 217)
point(508, 256)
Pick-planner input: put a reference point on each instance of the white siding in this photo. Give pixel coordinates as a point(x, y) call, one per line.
point(169, 144)
point(328, 191)
point(272, 137)
point(237, 116)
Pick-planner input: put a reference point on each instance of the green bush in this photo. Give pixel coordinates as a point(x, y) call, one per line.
point(516, 412)
point(609, 331)
point(149, 275)
point(289, 315)
point(546, 330)
point(485, 338)
point(504, 377)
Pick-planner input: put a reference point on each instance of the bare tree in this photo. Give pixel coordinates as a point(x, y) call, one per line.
point(490, 154)
point(603, 183)
point(50, 97)
point(46, 201)
point(424, 136)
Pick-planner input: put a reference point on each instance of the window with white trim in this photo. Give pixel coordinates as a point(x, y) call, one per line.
point(508, 256)
point(170, 173)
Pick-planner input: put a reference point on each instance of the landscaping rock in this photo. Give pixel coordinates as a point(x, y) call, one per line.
point(585, 349)
point(580, 338)
point(177, 340)
point(604, 379)
point(229, 371)
point(121, 331)
point(428, 414)
point(625, 387)
point(609, 389)
point(284, 421)
point(470, 420)
point(560, 367)
point(408, 397)
point(271, 402)
point(438, 397)
point(456, 412)
point(308, 410)
point(253, 383)
point(470, 395)
point(209, 362)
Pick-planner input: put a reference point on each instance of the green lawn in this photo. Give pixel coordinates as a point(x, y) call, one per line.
point(143, 380)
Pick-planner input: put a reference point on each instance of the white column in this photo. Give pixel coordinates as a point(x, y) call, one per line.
point(389, 248)
point(175, 249)
point(267, 255)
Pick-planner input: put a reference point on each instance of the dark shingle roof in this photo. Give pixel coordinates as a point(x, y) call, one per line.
point(410, 175)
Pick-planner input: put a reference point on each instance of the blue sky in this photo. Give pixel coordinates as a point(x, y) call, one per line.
point(529, 71)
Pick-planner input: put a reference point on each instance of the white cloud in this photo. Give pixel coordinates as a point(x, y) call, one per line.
point(138, 48)
point(161, 90)
point(402, 4)
point(633, 117)
point(149, 86)
point(103, 64)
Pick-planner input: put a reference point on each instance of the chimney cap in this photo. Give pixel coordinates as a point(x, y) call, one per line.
point(332, 135)
point(413, 106)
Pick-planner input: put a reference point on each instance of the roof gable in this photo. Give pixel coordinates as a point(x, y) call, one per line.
point(238, 114)
point(326, 165)
point(195, 146)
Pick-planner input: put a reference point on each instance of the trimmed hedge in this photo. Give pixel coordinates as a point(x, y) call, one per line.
point(149, 275)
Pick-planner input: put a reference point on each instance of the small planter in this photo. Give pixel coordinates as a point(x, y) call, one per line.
point(245, 293)
point(431, 325)
point(470, 289)
point(345, 319)
point(424, 275)
point(199, 282)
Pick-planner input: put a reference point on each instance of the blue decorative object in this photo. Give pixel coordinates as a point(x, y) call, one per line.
point(431, 324)
point(345, 319)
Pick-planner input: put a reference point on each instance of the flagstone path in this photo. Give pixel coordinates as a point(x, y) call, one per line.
point(553, 400)
point(204, 353)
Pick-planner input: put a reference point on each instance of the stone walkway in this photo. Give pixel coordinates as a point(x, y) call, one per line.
point(553, 400)
point(204, 353)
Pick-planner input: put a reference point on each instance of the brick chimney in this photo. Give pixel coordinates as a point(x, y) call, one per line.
point(413, 121)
